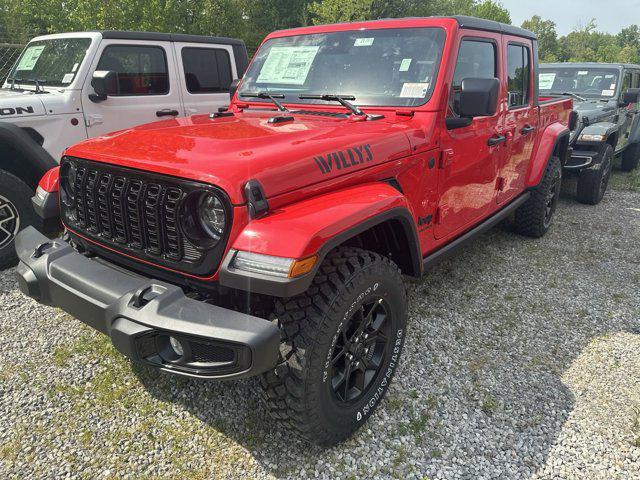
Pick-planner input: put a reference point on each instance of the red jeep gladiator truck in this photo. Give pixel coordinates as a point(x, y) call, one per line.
point(271, 238)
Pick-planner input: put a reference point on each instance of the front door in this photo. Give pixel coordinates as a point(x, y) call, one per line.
point(148, 88)
point(467, 180)
point(520, 121)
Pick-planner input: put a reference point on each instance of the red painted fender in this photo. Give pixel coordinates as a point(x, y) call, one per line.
point(317, 224)
point(49, 181)
point(548, 141)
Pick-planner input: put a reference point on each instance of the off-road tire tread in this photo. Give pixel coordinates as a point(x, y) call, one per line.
point(588, 190)
point(630, 157)
point(19, 193)
point(302, 320)
point(529, 217)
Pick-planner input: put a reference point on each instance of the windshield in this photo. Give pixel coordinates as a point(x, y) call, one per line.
point(388, 67)
point(52, 62)
point(586, 82)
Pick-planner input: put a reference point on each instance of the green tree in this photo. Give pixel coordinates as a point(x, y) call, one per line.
point(547, 37)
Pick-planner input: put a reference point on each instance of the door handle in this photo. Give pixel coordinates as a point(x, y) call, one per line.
point(493, 141)
point(527, 129)
point(167, 113)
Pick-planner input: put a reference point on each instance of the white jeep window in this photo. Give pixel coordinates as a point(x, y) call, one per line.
point(142, 70)
point(206, 70)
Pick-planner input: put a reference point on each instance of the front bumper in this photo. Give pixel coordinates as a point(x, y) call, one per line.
point(141, 314)
point(582, 159)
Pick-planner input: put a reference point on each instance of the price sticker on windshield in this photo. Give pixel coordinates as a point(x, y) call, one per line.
point(363, 42)
point(546, 80)
point(414, 90)
point(287, 65)
point(30, 58)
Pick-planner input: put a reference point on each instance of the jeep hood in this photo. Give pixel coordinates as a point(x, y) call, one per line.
point(229, 151)
point(14, 103)
point(594, 110)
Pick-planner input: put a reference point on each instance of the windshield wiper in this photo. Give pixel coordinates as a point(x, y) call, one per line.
point(571, 94)
point(268, 96)
point(342, 99)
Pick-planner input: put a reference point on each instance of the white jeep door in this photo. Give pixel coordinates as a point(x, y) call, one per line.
point(148, 86)
point(206, 71)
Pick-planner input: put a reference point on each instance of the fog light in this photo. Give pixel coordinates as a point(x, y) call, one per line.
point(177, 346)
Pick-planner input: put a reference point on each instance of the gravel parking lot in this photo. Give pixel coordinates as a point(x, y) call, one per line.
point(522, 361)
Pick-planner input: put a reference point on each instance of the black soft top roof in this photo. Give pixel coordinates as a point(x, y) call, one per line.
point(169, 37)
point(492, 26)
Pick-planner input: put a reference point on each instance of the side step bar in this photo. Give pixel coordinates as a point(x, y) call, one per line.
point(461, 241)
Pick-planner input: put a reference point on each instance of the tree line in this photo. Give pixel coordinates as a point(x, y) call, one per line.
point(251, 20)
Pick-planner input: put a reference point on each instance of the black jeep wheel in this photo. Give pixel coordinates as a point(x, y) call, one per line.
point(342, 341)
point(533, 218)
point(16, 213)
point(631, 157)
point(592, 184)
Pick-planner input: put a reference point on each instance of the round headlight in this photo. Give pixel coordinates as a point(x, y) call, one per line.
point(212, 215)
point(203, 218)
point(68, 174)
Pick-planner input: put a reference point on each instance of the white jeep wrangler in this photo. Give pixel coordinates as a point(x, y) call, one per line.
point(65, 88)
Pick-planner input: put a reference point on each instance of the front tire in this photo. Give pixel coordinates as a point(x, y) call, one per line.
point(630, 157)
point(16, 213)
point(592, 184)
point(533, 218)
point(342, 341)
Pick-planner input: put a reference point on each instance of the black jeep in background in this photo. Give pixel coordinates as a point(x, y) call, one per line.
point(606, 100)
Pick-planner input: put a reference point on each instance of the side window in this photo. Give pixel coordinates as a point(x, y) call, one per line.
point(207, 70)
point(142, 70)
point(636, 80)
point(518, 76)
point(476, 59)
point(626, 83)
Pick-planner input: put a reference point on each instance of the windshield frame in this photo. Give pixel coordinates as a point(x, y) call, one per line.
point(43, 40)
point(606, 69)
point(329, 105)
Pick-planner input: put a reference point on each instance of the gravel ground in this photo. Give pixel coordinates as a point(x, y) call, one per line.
point(522, 361)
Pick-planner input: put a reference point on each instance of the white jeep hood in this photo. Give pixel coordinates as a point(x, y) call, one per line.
point(20, 104)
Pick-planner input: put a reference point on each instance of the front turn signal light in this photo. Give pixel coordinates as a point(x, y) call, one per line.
point(300, 267)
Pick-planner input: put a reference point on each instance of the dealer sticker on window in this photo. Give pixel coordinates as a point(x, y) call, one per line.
point(546, 80)
point(288, 65)
point(363, 42)
point(414, 90)
point(607, 93)
point(68, 78)
point(30, 57)
point(405, 65)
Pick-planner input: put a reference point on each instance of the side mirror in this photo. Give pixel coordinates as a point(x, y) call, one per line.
point(478, 97)
point(631, 95)
point(233, 88)
point(105, 83)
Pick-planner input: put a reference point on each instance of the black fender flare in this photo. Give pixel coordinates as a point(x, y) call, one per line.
point(38, 160)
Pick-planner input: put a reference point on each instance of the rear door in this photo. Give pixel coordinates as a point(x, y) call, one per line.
point(206, 73)
point(520, 120)
point(148, 87)
point(469, 163)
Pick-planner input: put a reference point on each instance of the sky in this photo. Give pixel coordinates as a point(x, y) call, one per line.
point(611, 15)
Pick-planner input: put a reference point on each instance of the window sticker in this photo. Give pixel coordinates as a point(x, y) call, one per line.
point(405, 64)
point(546, 80)
point(607, 93)
point(288, 65)
point(583, 72)
point(75, 67)
point(363, 42)
point(613, 86)
point(30, 57)
point(414, 90)
point(68, 78)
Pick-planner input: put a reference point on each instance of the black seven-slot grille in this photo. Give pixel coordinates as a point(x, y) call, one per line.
point(137, 213)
